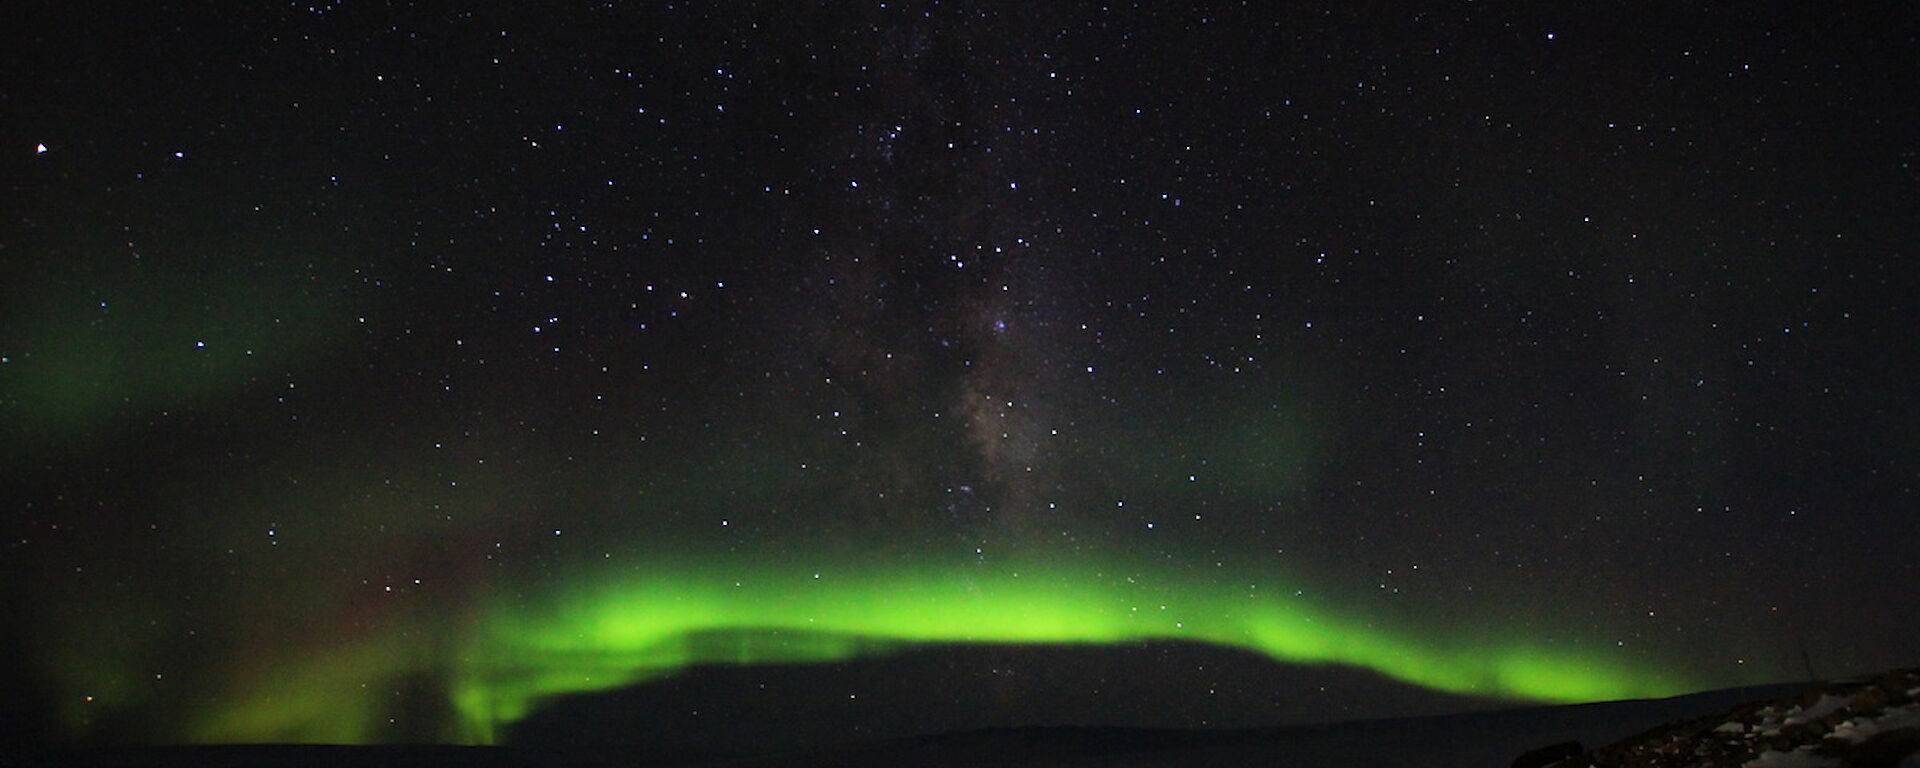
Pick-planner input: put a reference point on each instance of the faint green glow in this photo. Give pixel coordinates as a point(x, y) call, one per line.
point(97, 339)
point(334, 696)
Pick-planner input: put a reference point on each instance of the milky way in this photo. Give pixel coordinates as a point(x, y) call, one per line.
point(399, 374)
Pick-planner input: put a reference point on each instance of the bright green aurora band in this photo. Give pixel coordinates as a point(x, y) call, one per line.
point(653, 623)
point(491, 658)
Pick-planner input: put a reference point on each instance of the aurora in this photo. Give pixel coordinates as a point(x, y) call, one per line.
point(675, 375)
point(642, 626)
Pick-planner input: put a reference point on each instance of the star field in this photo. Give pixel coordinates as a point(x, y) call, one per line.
point(389, 372)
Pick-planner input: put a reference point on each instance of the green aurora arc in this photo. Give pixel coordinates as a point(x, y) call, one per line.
point(649, 624)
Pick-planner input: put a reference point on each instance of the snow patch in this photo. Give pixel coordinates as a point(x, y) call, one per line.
point(1827, 705)
point(1858, 730)
point(1802, 757)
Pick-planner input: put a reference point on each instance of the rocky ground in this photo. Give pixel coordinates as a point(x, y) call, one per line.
point(1866, 723)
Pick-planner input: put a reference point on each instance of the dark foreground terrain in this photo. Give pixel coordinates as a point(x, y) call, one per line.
point(1870, 722)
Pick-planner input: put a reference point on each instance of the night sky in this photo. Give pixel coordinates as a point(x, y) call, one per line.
point(372, 372)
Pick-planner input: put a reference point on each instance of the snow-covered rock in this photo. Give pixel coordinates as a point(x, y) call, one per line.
point(1869, 722)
